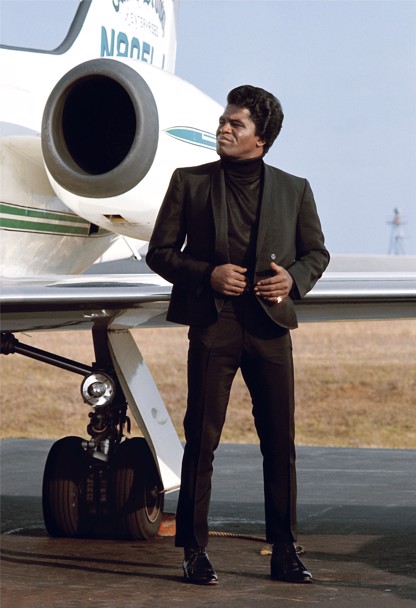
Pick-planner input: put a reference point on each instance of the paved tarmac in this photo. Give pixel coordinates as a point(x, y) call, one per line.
point(357, 524)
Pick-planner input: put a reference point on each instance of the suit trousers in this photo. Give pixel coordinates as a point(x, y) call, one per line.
point(243, 337)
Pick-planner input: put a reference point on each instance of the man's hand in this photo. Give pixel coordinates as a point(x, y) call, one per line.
point(229, 279)
point(276, 287)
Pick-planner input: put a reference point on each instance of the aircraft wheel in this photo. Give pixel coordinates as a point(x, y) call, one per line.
point(63, 501)
point(137, 491)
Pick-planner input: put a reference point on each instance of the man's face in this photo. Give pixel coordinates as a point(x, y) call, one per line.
point(236, 135)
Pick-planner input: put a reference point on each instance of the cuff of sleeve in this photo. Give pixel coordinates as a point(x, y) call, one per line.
point(207, 275)
point(294, 292)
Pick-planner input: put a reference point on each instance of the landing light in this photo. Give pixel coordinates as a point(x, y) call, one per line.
point(97, 390)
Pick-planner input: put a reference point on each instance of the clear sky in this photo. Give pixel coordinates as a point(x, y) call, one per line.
point(345, 72)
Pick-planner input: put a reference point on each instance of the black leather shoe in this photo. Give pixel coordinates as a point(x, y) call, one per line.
point(286, 565)
point(197, 568)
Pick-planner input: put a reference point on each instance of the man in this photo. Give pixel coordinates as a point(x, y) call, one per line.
point(239, 240)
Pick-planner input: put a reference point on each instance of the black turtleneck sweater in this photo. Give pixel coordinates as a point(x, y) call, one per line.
point(243, 187)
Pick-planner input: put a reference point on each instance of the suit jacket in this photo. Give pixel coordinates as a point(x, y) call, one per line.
point(190, 236)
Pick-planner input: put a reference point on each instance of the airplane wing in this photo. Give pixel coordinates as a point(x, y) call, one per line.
point(125, 301)
point(80, 302)
point(353, 296)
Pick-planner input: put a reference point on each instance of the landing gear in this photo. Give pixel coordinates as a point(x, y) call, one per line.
point(83, 496)
point(137, 493)
point(105, 484)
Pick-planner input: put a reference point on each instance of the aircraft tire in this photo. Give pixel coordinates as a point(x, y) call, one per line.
point(63, 502)
point(137, 497)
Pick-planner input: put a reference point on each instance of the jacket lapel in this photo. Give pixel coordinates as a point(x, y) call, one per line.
point(265, 209)
point(219, 210)
point(270, 234)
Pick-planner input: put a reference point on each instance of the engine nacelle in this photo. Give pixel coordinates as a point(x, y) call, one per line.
point(111, 138)
point(100, 129)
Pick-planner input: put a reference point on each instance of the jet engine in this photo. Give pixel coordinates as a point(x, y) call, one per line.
point(111, 138)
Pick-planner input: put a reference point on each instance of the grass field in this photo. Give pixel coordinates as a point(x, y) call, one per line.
point(355, 385)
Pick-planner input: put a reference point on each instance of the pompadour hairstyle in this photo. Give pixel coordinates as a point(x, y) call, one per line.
point(265, 110)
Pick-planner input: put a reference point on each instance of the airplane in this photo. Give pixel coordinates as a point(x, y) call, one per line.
point(92, 133)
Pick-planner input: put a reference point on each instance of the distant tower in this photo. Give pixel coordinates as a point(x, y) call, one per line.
point(397, 234)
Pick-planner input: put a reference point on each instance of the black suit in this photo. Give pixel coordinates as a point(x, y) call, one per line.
point(228, 333)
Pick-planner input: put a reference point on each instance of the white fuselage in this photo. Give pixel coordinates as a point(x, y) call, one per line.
point(47, 227)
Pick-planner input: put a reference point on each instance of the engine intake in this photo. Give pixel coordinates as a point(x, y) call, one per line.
point(100, 129)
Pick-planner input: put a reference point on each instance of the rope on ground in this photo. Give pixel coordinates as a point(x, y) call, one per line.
point(267, 549)
point(238, 535)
